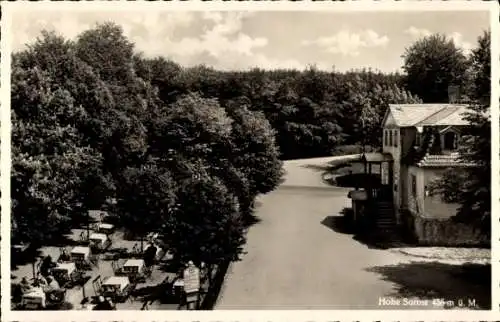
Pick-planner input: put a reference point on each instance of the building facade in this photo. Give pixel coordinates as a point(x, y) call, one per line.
point(423, 141)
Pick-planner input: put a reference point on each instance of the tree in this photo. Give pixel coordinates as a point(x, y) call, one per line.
point(471, 186)
point(149, 195)
point(432, 64)
point(93, 120)
point(192, 137)
point(47, 148)
point(108, 51)
point(111, 55)
point(481, 70)
point(206, 226)
point(48, 155)
point(375, 107)
point(254, 148)
point(195, 127)
point(163, 75)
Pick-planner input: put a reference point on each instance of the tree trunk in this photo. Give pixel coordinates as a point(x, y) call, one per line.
point(209, 274)
point(88, 226)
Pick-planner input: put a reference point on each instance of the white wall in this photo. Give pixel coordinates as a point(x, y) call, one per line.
point(434, 207)
point(415, 203)
point(427, 206)
point(395, 151)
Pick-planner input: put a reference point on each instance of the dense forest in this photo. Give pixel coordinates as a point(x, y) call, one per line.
point(313, 112)
point(185, 151)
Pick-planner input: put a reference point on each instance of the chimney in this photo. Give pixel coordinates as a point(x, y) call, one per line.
point(453, 94)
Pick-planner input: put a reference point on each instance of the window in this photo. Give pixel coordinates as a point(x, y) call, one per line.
point(396, 138)
point(385, 137)
point(414, 185)
point(450, 141)
point(390, 138)
point(417, 139)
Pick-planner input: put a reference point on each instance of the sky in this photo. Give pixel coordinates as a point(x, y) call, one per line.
point(234, 40)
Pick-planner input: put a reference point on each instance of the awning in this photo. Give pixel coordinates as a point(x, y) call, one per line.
point(375, 157)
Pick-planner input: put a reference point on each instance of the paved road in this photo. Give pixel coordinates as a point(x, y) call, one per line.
point(295, 260)
point(307, 173)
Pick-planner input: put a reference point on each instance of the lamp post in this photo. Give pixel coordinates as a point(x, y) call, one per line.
point(88, 225)
point(33, 264)
point(363, 143)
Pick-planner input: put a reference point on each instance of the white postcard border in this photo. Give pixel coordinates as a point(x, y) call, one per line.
point(239, 315)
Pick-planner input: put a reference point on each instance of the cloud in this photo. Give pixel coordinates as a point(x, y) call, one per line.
point(222, 42)
point(144, 28)
point(215, 16)
point(347, 43)
point(417, 32)
point(460, 42)
point(28, 27)
point(457, 37)
point(224, 37)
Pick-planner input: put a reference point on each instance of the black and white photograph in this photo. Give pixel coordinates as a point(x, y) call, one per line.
point(249, 159)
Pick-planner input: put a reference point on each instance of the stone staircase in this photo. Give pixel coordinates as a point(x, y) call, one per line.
point(386, 227)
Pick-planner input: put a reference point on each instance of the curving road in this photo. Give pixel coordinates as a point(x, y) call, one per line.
point(297, 259)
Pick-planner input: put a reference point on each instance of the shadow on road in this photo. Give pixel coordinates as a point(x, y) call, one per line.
point(342, 224)
point(338, 224)
point(434, 280)
point(213, 292)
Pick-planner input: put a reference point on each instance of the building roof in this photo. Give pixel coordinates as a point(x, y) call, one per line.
point(405, 115)
point(374, 157)
point(436, 161)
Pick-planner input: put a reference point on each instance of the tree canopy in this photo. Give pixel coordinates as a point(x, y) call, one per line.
point(93, 121)
point(431, 65)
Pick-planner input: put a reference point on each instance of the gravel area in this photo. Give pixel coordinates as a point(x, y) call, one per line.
point(448, 254)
